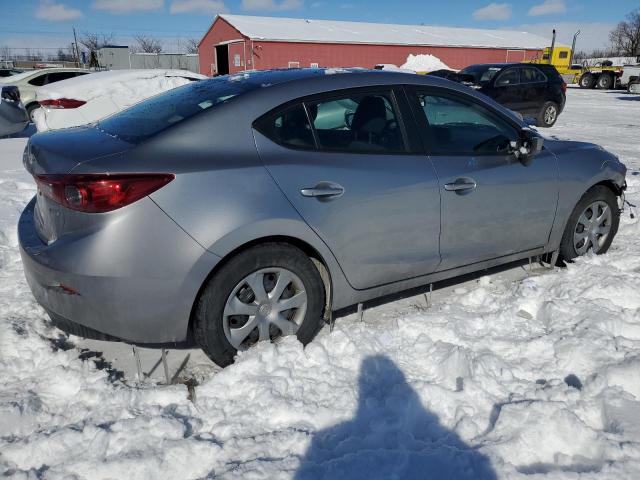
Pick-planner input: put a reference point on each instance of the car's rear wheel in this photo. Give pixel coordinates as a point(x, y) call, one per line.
point(261, 294)
point(32, 107)
point(548, 114)
point(605, 81)
point(587, 81)
point(592, 224)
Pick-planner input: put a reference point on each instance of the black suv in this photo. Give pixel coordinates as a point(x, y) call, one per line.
point(530, 89)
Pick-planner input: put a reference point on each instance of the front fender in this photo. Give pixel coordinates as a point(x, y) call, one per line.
point(580, 167)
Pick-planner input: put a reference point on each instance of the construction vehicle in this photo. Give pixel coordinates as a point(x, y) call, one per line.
point(603, 75)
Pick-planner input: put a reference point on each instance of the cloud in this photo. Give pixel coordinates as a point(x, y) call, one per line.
point(201, 6)
point(548, 7)
point(271, 5)
point(594, 35)
point(56, 12)
point(127, 6)
point(493, 11)
point(318, 4)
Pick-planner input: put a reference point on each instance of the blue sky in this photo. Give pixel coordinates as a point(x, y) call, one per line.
point(48, 23)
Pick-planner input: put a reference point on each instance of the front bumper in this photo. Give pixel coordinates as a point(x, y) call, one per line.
point(134, 279)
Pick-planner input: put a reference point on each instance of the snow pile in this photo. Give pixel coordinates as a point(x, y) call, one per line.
point(498, 379)
point(424, 63)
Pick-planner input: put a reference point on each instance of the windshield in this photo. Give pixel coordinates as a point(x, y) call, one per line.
point(482, 74)
point(158, 113)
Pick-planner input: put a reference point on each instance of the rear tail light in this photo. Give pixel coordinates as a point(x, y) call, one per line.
point(98, 193)
point(564, 87)
point(62, 103)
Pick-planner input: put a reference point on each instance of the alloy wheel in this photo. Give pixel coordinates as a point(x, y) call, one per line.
point(550, 114)
point(593, 228)
point(264, 305)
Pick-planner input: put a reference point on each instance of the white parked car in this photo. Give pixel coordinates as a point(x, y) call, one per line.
point(30, 81)
point(80, 101)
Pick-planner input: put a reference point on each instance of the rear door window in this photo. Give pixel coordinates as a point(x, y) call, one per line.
point(510, 76)
point(366, 122)
point(531, 75)
point(59, 76)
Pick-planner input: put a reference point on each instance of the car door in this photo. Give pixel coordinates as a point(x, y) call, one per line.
point(492, 205)
point(345, 162)
point(534, 86)
point(507, 89)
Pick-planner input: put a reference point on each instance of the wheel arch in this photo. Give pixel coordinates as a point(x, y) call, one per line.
point(312, 252)
point(611, 185)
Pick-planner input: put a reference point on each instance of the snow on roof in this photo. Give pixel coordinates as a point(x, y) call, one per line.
point(329, 31)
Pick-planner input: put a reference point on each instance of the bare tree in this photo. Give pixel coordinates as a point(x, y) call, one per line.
point(94, 42)
point(625, 38)
point(148, 44)
point(5, 52)
point(67, 55)
point(191, 45)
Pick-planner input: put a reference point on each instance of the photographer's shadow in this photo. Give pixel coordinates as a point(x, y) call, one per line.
point(391, 437)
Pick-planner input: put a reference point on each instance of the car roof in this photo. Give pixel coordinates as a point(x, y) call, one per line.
point(278, 87)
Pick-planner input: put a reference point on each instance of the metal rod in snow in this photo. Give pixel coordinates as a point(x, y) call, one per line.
point(360, 313)
point(166, 367)
point(136, 354)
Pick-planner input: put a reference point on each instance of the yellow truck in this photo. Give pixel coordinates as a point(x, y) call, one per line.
point(604, 75)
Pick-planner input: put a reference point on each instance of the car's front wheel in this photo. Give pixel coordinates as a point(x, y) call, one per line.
point(261, 294)
point(592, 224)
point(548, 114)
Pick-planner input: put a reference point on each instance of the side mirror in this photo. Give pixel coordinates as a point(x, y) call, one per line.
point(532, 122)
point(528, 146)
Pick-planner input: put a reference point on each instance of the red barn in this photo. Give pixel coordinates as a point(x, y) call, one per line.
point(237, 42)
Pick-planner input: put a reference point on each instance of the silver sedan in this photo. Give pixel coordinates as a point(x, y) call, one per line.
point(247, 207)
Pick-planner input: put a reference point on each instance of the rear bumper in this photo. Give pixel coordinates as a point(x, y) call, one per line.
point(140, 290)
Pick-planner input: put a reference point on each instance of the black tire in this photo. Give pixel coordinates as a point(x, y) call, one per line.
point(605, 81)
point(32, 107)
point(594, 194)
point(587, 80)
point(549, 120)
point(207, 321)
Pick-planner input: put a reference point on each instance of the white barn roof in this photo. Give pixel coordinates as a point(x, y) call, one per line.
point(329, 31)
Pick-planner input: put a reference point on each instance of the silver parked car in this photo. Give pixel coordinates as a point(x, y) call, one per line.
point(247, 207)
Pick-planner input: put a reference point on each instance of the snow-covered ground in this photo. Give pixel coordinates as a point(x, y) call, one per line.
point(506, 376)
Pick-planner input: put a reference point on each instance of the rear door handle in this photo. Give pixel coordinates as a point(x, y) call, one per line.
point(323, 190)
point(461, 184)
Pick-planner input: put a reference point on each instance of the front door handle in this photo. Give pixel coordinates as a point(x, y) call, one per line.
point(461, 185)
point(323, 190)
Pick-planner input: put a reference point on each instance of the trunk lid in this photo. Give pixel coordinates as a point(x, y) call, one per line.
point(62, 150)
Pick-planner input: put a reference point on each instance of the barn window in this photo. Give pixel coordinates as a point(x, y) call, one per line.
point(294, 64)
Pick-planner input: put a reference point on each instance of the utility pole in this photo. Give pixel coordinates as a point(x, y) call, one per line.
point(75, 42)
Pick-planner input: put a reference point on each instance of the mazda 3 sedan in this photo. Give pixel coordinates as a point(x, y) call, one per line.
point(243, 208)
